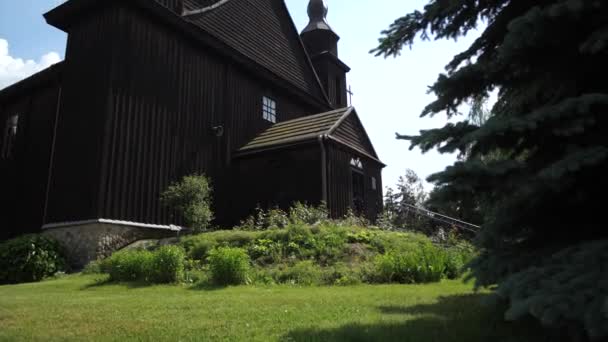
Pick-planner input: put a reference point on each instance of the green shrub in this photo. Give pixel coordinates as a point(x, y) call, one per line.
point(167, 265)
point(458, 257)
point(191, 197)
point(276, 219)
point(266, 251)
point(229, 266)
point(341, 274)
point(94, 267)
point(303, 213)
point(426, 263)
point(128, 265)
point(302, 273)
point(198, 246)
point(30, 258)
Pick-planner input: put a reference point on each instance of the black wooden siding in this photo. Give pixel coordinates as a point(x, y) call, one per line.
point(278, 179)
point(340, 183)
point(351, 132)
point(91, 51)
point(24, 177)
point(166, 95)
point(138, 102)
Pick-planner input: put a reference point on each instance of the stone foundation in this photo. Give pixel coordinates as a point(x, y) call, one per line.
point(94, 240)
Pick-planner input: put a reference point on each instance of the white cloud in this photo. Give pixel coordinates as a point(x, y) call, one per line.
point(14, 69)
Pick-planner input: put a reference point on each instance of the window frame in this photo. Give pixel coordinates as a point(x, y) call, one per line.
point(9, 136)
point(269, 109)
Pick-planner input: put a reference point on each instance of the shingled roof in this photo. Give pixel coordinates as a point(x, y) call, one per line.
point(263, 31)
point(259, 33)
point(340, 125)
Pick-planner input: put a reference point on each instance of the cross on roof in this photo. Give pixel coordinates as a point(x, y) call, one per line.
point(350, 96)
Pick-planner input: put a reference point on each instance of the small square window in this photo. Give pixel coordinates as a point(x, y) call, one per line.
point(374, 185)
point(269, 109)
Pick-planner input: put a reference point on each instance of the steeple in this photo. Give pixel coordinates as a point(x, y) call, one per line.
point(321, 43)
point(318, 35)
point(317, 12)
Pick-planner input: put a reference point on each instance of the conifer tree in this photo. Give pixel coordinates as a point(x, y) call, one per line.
point(543, 198)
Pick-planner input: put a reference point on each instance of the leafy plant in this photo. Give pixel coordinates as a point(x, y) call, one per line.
point(164, 265)
point(191, 198)
point(128, 265)
point(421, 265)
point(302, 273)
point(303, 213)
point(167, 265)
point(30, 258)
point(229, 266)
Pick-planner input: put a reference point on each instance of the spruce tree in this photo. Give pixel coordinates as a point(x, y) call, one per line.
point(543, 196)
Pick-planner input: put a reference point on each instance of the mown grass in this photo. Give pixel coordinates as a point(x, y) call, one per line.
point(80, 308)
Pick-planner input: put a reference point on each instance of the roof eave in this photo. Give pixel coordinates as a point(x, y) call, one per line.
point(355, 149)
point(311, 138)
point(40, 79)
point(62, 17)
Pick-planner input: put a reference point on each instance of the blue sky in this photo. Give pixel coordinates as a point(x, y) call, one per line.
point(389, 94)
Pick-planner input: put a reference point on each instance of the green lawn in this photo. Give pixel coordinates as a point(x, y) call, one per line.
point(77, 308)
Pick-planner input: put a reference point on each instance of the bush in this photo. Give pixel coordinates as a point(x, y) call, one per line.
point(341, 274)
point(303, 213)
point(302, 273)
point(191, 197)
point(165, 265)
point(94, 267)
point(421, 265)
point(229, 266)
point(128, 265)
point(30, 258)
point(458, 257)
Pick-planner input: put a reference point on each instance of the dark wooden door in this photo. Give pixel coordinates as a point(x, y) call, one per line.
point(358, 189)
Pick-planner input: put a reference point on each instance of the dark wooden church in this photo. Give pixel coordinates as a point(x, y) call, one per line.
point(152, 90)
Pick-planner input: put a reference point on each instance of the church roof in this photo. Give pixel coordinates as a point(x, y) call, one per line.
point(263, 31)
point(341, 126)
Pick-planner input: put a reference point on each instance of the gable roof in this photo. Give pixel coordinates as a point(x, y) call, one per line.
point(262, 30)
point(42, 78)
point(230, 28)
point(341, 126)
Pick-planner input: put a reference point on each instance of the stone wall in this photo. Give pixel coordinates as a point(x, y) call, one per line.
point(92, 241)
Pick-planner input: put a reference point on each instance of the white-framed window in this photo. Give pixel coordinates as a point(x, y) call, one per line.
point(374, 183)
point(356, 162)
point(9, 136)
point(269, 109)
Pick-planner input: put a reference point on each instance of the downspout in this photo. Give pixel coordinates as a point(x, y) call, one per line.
point(322, 139)
point(52, 157)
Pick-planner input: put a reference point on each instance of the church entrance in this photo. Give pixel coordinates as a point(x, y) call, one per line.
point(358, 191)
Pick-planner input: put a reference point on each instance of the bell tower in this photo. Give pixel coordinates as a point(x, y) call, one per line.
point(321, 42)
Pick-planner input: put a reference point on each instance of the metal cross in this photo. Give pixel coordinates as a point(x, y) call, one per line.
point(350, 95)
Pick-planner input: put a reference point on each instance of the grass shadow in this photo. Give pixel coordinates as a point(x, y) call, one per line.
point(204, 286)
point(452, 318)
point(105, 281)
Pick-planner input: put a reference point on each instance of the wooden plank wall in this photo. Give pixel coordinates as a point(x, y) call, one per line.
point(167, 93)
point(351, 131)
point(279, 178)
point(340, 183)
point(23, 178)
point(90, 53)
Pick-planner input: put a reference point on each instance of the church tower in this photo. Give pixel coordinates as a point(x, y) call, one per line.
point(321, 42)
